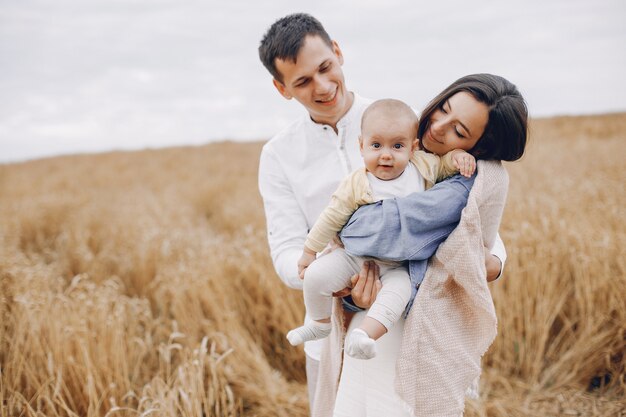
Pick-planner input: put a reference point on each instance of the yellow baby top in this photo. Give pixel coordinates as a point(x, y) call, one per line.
point(355, 191)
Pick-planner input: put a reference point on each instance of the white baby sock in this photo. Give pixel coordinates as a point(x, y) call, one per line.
point(359, 345)
point(312, 331)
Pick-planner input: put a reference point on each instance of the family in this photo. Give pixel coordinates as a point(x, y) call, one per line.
point(389, 224)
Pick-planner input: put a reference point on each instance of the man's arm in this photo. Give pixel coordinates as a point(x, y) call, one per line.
point(286, 224)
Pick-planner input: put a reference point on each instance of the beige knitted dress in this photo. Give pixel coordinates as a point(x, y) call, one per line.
point(452, 322)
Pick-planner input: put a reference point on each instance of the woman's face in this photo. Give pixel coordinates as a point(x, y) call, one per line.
point(457, 124)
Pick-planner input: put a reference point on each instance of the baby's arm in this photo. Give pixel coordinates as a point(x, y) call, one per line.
point(343, 203)
point(455, 161)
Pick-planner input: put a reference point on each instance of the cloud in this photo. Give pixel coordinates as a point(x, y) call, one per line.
point(109, 74)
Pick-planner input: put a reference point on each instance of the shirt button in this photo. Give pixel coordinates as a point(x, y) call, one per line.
point(325, 127)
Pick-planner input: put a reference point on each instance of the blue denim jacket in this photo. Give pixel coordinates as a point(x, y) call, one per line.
point(409, 228)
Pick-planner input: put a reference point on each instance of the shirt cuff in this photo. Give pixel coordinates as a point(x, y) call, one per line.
point(499, 251)
point(348, 304)
point(286, 265)
point(501, 267)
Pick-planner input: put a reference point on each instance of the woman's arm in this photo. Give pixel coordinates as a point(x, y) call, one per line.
point(409, 228)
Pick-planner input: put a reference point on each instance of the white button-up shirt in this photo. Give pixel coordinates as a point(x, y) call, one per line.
point(300, 169)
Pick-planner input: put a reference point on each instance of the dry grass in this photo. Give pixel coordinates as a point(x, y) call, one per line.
point(140, 284)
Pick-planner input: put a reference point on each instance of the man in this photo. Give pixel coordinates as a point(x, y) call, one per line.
point(303, 164)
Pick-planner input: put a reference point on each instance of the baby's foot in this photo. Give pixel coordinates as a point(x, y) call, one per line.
point(312, 331)
point(360, 346)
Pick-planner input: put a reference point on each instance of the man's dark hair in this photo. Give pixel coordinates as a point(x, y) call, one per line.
point(285, 37)
point(506, 131)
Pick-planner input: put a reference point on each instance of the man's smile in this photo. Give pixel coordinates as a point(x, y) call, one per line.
point(330, 100)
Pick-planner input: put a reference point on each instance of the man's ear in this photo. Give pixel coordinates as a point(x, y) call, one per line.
point(281, 89)
point(337, 52)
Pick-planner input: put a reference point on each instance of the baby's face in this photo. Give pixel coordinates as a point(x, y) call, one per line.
point(386, 146)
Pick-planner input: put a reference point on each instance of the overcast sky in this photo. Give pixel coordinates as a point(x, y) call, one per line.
point(94, 75)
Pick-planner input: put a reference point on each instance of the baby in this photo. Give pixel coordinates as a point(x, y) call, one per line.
point(394, 167)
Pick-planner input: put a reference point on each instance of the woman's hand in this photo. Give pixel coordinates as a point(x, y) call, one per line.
point(493, 266)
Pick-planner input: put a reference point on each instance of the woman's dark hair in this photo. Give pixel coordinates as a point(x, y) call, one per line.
point(285, 37)
point(506, 131)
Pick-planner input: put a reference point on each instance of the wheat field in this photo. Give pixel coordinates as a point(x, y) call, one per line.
point(140, 284)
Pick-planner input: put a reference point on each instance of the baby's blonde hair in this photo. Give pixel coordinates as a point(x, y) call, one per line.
point(390, 108)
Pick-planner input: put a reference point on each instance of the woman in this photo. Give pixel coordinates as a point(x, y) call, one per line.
point(437, 351)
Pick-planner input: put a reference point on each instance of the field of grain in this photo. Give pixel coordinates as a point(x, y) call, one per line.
point(140, 284)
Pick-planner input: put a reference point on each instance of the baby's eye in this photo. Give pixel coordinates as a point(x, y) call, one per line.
point(375, 145)
point(398, 146)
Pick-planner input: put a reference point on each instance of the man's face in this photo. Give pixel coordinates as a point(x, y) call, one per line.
point(316, 80)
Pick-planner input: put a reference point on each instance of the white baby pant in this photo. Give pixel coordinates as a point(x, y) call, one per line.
point(332, 272)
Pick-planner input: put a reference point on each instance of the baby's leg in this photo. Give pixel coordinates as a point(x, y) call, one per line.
point(386, 310)
point(326, 275)
point(390, 302)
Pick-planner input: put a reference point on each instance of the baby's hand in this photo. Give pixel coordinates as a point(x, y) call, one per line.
point(465, 162)
point(308, 256)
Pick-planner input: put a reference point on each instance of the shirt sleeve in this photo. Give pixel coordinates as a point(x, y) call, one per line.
point(342, 204)
point(286, 224)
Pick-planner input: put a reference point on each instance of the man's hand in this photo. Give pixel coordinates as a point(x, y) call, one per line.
point(366, 284)
point(307, 257)
point(464, 162)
